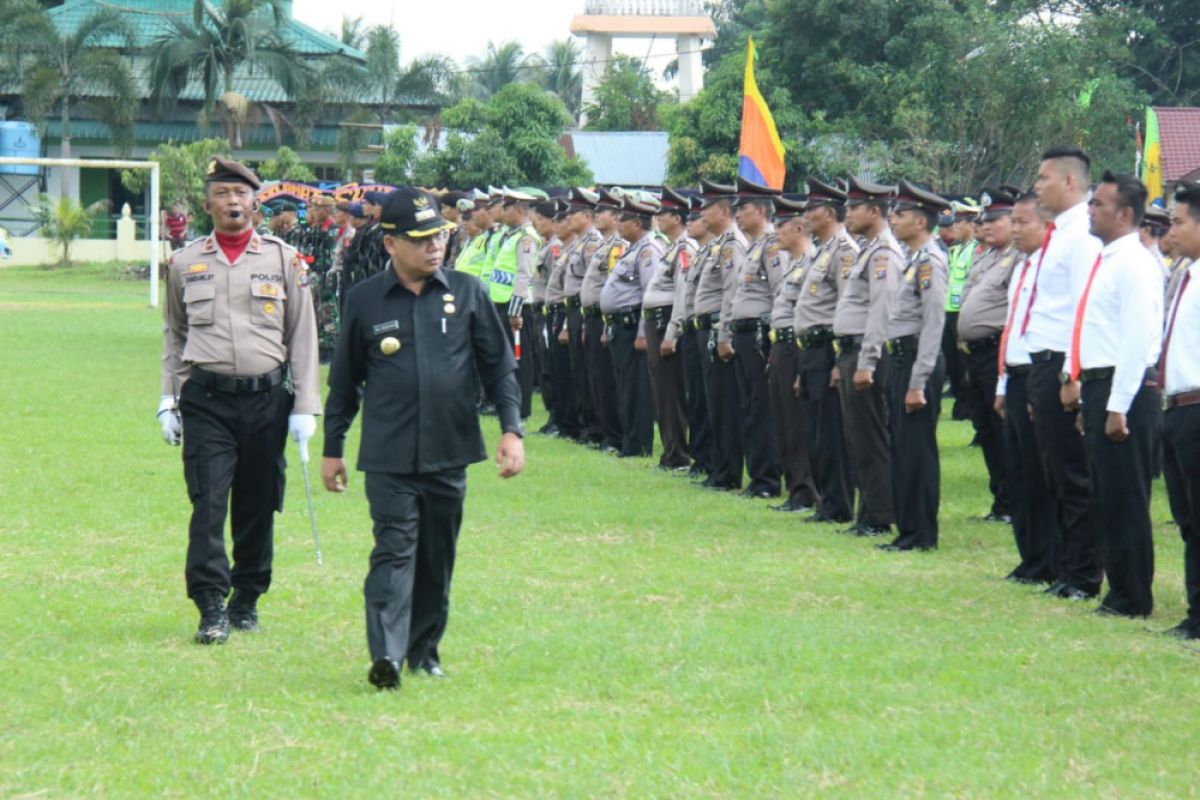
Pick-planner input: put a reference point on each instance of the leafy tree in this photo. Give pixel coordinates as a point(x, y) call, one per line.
point(220, 39)
point(352, 138)
point(64, 69)
point(626, 98)
point(63, 220)
point(394, 165)
point(181, 174)
point(286, 166)
point(560, 73)
point(352, 34)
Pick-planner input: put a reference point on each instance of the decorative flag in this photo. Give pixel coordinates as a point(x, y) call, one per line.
point(1152, 160)
point(760, 156)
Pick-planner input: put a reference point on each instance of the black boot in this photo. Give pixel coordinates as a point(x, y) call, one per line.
point(243, 613)
point(214, 623)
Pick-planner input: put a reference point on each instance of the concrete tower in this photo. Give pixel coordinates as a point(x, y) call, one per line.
point(604, 20)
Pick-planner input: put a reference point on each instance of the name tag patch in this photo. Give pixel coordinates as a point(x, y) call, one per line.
point(384, 327)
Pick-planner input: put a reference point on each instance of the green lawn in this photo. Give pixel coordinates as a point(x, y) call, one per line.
point(615, 631)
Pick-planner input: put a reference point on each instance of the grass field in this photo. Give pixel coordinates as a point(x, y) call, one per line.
point(615, 632)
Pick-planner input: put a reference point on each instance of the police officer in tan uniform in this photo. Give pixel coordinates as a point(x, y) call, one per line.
point(916, 370)
point(577, 256)
point(695, 352)
point(827, 270)
point(239, 373)
point(860, 328)
point(601, 376)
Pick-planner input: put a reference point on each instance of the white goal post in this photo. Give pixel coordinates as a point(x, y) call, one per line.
point(152, 217)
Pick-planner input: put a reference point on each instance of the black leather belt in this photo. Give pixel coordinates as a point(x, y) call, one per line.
point(705, 322)
point(574, 302)
point(783, 335)
point(969, 346)
point(814, 336)
point(592, 311)
point(903, 344)
point(234, 384)
point(626, 317)
point(1182, 399)
point(748, 325)
point(657, 314)
point(1149, 377)
point(847, 344)
point(1018, 370)
point(1044, 356)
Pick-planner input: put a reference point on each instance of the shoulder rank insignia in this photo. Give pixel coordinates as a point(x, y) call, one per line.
point(925, 272)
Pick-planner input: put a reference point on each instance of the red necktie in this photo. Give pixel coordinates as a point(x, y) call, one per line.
point(1036, 275)
point(1079, 312)
point(1012, 312)
point(1162, 360)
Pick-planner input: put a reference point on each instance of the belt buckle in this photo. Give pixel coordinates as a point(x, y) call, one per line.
point(773, 336)
point(837, 347)
point(891, 347)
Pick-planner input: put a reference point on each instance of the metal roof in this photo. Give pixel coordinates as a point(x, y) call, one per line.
point(323, 137)
point(624, 158)
point(1179, 135)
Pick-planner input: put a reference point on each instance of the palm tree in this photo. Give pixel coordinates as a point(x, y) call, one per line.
point(352, 32)
point(499, 67)
point(219, 40)
point(383, 67)
point(60, 69)
point(63, 220)
point(560, 73)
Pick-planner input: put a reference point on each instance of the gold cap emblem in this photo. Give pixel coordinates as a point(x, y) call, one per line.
point(390, 345)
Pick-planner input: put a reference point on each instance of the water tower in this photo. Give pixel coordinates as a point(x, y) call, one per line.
point(604, 20)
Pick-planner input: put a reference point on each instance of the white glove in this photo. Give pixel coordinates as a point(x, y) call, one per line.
point(301, 427)
point(172, 424)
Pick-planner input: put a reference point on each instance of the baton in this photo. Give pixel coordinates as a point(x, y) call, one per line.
point(312, 511)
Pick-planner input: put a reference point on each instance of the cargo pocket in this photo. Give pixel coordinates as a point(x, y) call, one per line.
point(266, 304)
point(199, 298)
point(193, 477)
point(280, 482)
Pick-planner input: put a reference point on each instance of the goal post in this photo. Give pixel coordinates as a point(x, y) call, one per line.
point(102, 163)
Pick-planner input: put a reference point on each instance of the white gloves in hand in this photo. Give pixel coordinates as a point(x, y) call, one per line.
point(301, 427)
point(172, 424)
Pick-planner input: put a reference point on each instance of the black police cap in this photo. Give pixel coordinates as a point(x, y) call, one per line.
point(413, 213)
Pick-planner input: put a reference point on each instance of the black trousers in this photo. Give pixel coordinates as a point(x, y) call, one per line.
point(1064, 459)
point(407, 591)
point(232, 462)
point(539, 347)
point(525, 364)
point(602, 383)
point(721, 385)
point(565, 407)
point(759, 438)
point(695, 362)
point(1035, 523)
point(667, 390)
point(979, 391)
point(635, 406)
point(580, 383)
point(868, 440)
point(1121, 473)
point(956, 369)
point(1181, 468)
point(916, 468)
point(830, 464)
point(793, 423)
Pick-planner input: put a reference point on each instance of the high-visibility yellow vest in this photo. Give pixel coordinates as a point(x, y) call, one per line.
point(504, 265)
point(470, 260)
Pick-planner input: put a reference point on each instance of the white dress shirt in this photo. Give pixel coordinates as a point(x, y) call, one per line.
point(1015, 352)
point(1122, 318)
point(1183, 355)
point(1064, 271)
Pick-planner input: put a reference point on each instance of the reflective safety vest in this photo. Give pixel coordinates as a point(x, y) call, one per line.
point(504, 265)
point(961, 257)
point(492, 239)
point(470, 260)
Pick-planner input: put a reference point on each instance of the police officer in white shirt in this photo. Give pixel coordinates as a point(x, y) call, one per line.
point(1114, 346)
point(1034, 521)
point(1045, 328)
point(1179, 375)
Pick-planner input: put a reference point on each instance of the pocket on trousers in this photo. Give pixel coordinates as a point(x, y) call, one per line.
point(280, 482)
point(194, 478)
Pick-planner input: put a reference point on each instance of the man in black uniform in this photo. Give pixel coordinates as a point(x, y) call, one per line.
point(416, 343)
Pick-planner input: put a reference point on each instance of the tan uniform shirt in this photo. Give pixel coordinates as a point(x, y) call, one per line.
point(243, 319)
point(581, 252)
point(603, 259)
point(555, 288)
point(720, 278)
point(863, 305)
point(672, 279)
point(919, 308)
point(823, 280)
point(762, 274)
point(547, 255)
point(783, 311)
point(984, 309)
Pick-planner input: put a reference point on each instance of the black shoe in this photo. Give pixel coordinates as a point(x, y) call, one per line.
point(384, 674)
point(872, 530)
point(430, 667)
point(696, 473)
point(788, 507)
point(549, 429)
point(243, 611)
point(608, 448)
point(1184, 630)
point(1004, 519)
point(1105, 611)
point(894, 547)
point(214, 622)
point(1055, 588)
point(1076, 595)
point(758, 494)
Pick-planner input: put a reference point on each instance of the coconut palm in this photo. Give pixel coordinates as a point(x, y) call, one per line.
point(84, 65)
point(63, 220)
point(219, 40)
point(561, 74)
point(352, 32)
point(499, 67)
